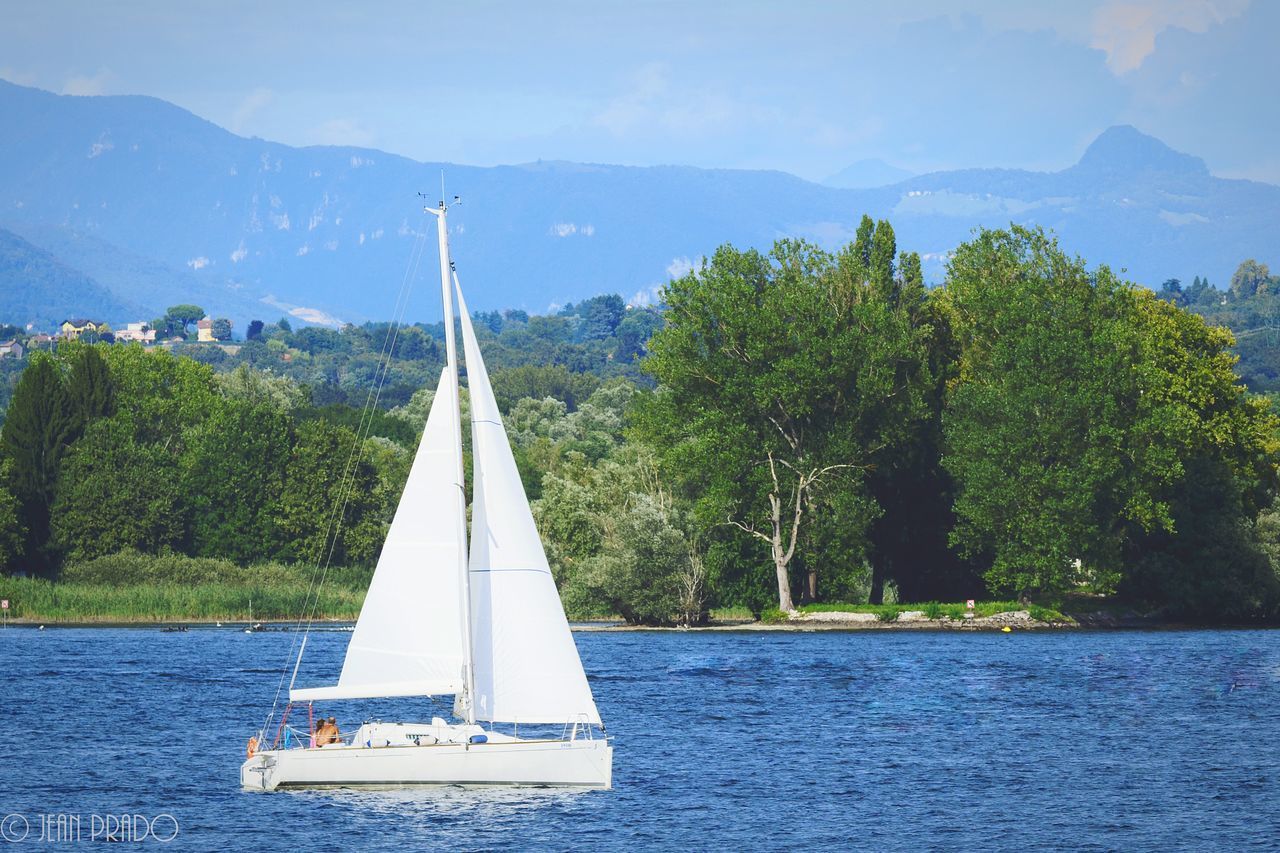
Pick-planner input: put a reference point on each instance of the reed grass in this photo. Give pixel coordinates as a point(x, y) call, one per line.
point(40, 600)
point(133, 587)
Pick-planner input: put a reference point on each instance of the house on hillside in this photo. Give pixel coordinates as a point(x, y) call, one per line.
point(41, 341)
point(140, 332)
point(74, 328)
point(204, 330)
point(10, 348)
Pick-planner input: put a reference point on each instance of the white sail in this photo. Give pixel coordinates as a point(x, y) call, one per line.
point(527, 668)
point(409, 639)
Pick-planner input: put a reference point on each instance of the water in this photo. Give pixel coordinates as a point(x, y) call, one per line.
point(737, 741)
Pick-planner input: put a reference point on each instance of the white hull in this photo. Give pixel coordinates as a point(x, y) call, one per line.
point(501, 761)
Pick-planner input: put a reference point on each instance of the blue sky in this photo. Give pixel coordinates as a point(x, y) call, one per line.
point(806, 87)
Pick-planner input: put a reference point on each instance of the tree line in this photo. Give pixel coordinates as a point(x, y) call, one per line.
point(1033, 427)
point(793, 426)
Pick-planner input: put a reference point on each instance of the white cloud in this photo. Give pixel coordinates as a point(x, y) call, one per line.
point(81, 85)
point(1126, 31)
point(239, 254)
point(568, 229)
point(198, 263)
point(307, 315)
point(679, 267)
point(253, 103)
point(645, 298)
point(303, 249)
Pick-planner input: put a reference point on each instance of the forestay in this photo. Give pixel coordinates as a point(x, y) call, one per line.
point(527, 668)
point(408, 640)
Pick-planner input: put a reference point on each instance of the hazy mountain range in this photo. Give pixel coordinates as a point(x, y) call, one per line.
point(138, 204)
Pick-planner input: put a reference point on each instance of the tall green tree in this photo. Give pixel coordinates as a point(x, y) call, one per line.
point(1036, 420)
point(13, 533)
point(233, 471)
point(778, 380)
point(38, 426)
point(1081, 408)
point(1250, 279)
point(89, 385)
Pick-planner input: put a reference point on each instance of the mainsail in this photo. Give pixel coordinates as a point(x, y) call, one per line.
point(409, 638)
point(527, 668)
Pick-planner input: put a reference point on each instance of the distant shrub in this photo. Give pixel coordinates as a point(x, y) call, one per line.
point(1045, 614)
point(772, 616)
point(933, 610)
point(887, 614)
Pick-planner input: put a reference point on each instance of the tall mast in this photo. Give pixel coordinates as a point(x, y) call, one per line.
point(451, 353)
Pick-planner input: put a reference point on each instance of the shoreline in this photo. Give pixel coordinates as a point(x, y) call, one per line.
point(803, 623)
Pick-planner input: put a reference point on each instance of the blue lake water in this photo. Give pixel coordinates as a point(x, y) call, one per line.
point(877, 740)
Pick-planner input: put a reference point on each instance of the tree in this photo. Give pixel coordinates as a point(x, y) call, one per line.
point(89, 386)
point(1250, 279)
point(254, 331)
point(602, 314)
point(779, 380)
point(179, 318)
point(637, 573)
point(1171, 291)
point(38, 426)
point(1035, 424)
point(117, 493)
point(221, 329)
point(884, 248)
point(327, 509)
point(1081, 408)
point(13, 533)
point(553, 380)
point(232, 470)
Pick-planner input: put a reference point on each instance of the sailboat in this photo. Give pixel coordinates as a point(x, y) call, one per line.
point(483, 624)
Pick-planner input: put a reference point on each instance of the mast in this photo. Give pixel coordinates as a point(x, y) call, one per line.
point(451, 351)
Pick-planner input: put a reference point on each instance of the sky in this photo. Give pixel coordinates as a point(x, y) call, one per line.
point(804, 87)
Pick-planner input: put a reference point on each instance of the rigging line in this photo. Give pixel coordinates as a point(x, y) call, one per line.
point(345, 485)
point(363, 429)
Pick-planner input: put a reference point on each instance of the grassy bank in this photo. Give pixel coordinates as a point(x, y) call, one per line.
point(43, 601)
point(131, 587)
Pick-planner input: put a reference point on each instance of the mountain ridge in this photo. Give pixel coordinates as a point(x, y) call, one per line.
point(327, 231)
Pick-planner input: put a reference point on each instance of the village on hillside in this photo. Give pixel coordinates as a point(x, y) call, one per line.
point(181, 324)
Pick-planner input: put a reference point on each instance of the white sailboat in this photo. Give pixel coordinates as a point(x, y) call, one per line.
point(486, 627)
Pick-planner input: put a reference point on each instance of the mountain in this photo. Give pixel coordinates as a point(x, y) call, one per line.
point(867, 174)
point(250, 228)
point(37, 288)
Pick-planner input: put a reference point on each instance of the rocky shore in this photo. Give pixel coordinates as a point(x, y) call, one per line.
point(1019, 620)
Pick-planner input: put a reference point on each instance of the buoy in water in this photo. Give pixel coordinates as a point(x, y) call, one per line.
point(1006, 629)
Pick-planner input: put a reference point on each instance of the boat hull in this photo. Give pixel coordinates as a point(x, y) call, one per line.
point(556, 763)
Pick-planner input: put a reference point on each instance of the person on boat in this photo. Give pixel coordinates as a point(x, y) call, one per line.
point(317, 733)
point(335, 736)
